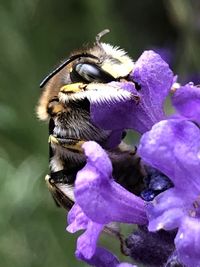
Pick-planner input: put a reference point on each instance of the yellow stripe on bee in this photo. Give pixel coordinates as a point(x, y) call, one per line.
point(72, 88)
point(77, 146)
point(53, 140)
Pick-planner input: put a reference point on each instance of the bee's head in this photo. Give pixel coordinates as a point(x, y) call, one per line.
point(101, 64)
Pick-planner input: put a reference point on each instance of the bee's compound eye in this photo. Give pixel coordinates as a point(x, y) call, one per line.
point(93, 73)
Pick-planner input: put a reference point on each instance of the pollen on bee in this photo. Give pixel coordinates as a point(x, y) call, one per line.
point(72, 88)
point(54, 108)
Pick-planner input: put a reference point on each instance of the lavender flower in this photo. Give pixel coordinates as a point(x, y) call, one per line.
point(151, 249)
point(86, 243)
point(103, 258)
point(100, 197)
point(99, 201)
point(150, 82)
point(173, 148)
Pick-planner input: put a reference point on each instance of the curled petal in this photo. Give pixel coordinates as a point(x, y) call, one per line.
point(187, 242)
point(186, 100)
point(114, 139)
point(77, 220)
point(166, 210)
point(155, 78)
point(100, 197)
point(86, 243)
point(97, 158)
point(103, 258)
point(173, 148)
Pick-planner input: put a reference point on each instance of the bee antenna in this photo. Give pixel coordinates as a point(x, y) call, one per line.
point(61, 66)
point(100, 35)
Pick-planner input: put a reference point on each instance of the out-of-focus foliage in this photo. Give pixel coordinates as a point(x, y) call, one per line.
point(34, 36)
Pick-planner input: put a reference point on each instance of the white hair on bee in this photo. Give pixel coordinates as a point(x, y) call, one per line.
point(56, 163)
point(123, 65)
point(68, 190)
point(99, 94)
point(115, 51)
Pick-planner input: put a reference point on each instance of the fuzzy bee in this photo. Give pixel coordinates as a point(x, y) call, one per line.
point(85, 78)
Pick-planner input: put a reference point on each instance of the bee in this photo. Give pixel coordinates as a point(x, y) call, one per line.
point(85, 77)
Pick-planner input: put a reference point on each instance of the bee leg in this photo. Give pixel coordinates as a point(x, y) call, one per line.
point(113, 231)
point(72, 144)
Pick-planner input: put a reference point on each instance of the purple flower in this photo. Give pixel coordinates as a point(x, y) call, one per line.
point(103, 258)
point(186, 100)
point(148, 248)
point(173, 147)
point(149, 83)
point(86, 243)
point(100, 197)
point(125, 264)
point(100, 200)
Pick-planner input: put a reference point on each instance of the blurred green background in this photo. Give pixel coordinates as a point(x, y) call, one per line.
point(34, 36)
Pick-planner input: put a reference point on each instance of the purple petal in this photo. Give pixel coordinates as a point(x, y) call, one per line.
point(125, 264)
point(86, 243)
point(97, 158)
point(155, 78)
point(186, 100)
point(101, 258)
point(114, 115)
point(173, 148)
point(114, 139)
point(76, 219)
point(166, 211)
point(100, 197)
point(187, 242)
